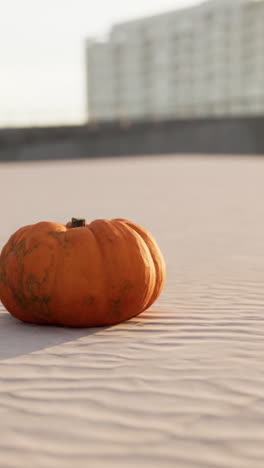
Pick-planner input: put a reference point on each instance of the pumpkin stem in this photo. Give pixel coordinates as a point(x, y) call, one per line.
point(78, 222)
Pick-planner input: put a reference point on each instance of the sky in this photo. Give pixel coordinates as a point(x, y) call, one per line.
point(42, 71)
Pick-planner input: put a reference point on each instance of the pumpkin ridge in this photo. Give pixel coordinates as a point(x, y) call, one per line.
point(17, 249)
point(61, 243)
point(159, 268)
point(101, 250)
point(149, 293)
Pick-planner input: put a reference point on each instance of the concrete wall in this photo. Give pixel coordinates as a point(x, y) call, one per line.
point(222, 136)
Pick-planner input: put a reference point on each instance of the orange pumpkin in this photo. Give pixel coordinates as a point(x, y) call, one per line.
point(80, 275)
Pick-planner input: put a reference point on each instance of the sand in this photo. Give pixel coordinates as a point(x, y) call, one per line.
point(182, 384)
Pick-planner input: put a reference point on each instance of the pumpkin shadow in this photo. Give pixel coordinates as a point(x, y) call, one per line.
point(18, 338)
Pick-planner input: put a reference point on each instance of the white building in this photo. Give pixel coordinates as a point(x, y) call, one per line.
point(207, 60)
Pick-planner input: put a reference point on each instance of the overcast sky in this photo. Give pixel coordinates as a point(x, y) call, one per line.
point(42, 53)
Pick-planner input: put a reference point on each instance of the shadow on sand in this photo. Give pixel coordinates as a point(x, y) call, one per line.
point(18, 338)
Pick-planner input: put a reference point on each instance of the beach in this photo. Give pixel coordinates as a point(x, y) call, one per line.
point(181, 385)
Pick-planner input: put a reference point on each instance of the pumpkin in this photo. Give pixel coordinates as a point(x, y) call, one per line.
point(80, 274)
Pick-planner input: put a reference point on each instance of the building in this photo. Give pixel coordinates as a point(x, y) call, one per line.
point(207, 60)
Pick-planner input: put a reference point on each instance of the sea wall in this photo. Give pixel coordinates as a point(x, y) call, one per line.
point(207, 136)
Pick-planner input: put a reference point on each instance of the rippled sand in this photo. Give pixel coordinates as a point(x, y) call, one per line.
point(182, 384)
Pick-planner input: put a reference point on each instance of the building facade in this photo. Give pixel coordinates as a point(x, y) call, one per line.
point(203, 61)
